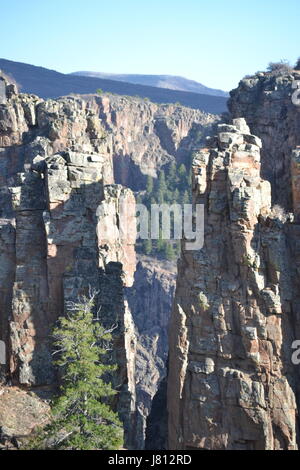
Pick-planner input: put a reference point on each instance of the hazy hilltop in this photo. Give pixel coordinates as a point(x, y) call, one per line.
point(171, 82)
point(48, 83)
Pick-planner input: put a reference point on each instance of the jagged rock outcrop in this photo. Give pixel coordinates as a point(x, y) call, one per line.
point(56, 198)
point(61, 232)
point(231, 382)
point(268, 103)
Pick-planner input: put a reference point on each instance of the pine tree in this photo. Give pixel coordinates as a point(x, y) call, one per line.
point(169, 252)
point(161, 196)
point(186, 198)
point(182, 174)
point(176, 196)
point(162, 185)
point(172, 179)
point(81, 417)
point(149, 186)
point(147, 246)
point(139, 199)
point(160, 244)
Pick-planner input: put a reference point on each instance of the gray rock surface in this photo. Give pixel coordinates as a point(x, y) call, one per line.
point(150, 302)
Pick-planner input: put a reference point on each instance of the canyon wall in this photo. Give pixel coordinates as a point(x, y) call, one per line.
point(61, 234)
point(270, 103)
point(147, 136)
point(56, 199)
point(150, 302)
point(267, 102)
point(232, 384)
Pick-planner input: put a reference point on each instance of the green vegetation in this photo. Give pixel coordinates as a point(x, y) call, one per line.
point(82, 419)
point(99, 91)
point(171, 187)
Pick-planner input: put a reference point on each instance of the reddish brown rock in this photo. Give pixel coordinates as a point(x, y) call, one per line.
point(231, 382)
point(56, 175)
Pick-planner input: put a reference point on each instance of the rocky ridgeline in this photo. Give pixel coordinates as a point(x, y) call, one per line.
point(231, 381)
point(265, 100)
point(147, 136)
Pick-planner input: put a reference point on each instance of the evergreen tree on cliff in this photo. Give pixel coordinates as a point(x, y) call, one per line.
point(81, 418)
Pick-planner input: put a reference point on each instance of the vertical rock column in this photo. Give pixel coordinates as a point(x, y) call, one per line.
point(55, 160)
point(7, 275)
point(231, 383)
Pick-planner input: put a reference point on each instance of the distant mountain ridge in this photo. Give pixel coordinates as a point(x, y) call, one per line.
point(172, 82)
point(48, 83)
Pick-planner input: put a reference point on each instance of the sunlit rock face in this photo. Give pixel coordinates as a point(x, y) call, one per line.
point(268, 103)
point(231, 383)
point(146, 136)
point(56, 192)
point(62, 228)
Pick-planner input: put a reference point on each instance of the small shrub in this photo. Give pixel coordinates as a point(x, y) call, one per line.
point(277, 212)
point(203, 301)
point(278, 68)
point(99, 91)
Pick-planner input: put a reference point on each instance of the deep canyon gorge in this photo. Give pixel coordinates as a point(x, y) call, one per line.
point(203, 349)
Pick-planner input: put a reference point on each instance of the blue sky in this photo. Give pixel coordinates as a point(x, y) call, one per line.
point(215, 42)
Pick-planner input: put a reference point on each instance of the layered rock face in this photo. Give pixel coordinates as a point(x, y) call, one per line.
point(56, 199)
point(61, 233)
point(268, 103)
point(231, 381)
point(147, 136)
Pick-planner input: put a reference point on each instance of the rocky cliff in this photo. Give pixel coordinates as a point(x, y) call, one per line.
point(150, 302)
point(270, 103)
point(146, 136)
point(231, 382)
point(56, 200)
point(61, 232)
point(267, 102)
